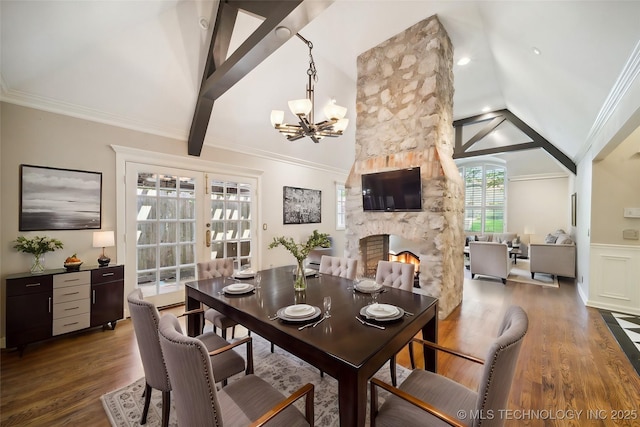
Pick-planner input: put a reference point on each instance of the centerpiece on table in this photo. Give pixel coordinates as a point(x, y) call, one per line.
point(300, 251)
point(37, 246)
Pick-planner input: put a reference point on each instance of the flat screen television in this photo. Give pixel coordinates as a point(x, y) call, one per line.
point(392, 191)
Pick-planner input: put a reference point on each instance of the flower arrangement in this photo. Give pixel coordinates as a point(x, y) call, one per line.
point(300, 251)
point(37, 245)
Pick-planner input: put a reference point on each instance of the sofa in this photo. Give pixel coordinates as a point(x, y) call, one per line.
point(489, 259)
point(557, 256)
point(498, 238)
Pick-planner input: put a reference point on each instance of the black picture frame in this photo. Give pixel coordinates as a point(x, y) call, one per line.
point(301, 206)
point(59, 199)
point(573, 209)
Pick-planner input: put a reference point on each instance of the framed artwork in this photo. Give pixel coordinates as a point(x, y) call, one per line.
point(301, 206)
point(59, 199)
point(573, 209)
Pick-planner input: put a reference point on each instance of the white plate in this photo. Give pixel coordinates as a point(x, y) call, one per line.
point(244, 274)
point(366, 315)
point(382, 310)
point(315, 313)
point(238, 288)
point(298, 310)
point(368, 286)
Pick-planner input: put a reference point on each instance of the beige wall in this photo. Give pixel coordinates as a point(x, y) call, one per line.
point(540, 202)
point(616, 185)
point(35, 137)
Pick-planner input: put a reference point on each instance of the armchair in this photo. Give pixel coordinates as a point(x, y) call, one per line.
point(426, 398)
point(554, 259)
point(489, 259)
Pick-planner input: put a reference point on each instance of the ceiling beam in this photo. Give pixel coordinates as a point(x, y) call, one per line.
point(221, 74)
point(497, 117)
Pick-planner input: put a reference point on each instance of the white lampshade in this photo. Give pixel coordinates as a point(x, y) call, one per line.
point(300, 106)
point(528, 229)
point(333, 111)
point(277, 117)
point(341, 125)
point(103, 239)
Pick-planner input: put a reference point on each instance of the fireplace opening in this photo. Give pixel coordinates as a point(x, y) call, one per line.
point(377, 248)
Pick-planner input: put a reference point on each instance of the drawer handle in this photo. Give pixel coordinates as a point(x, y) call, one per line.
point(50, 304)
point(71, 293)
point(72, 280)
point(31, 285)
point(107, 274)
point(73, 308)
point(70, 324)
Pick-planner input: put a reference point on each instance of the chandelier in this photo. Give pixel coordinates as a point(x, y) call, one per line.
point(333, 126)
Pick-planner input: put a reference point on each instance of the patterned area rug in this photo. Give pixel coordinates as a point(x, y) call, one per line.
point(521, 273)
point(626, 330)
point(282, 370)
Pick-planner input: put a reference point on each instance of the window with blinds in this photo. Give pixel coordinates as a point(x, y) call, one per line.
point(485, 198)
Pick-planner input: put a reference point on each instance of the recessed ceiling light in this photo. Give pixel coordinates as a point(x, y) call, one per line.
point(283, 33)
point(464, 60)
point(204, 23)
point(536, 51)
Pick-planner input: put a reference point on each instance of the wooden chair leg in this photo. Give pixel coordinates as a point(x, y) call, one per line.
point(272, 347)
point(392, 367)
point(224, 333)
point(147, 401)
point(321, 373)
point(411, 357)
point(166, 408)
point(233, 332)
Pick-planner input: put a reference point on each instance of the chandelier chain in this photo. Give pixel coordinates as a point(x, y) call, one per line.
point(312, 64)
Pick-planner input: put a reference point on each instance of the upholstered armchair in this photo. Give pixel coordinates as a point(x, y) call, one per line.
point(145, 319)
point(337, 266)
point(429, 399)
point(489, 259)
point(552, 258)
point(248, 400)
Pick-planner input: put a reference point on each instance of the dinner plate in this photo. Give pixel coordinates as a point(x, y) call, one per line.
point(313, 314)
point(364, 313)
point(238, 288)
point(298, 310)
point(244, 274)
point(368, 286)
point(382, 310)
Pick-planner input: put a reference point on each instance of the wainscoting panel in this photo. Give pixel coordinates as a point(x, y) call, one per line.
point(615, 278)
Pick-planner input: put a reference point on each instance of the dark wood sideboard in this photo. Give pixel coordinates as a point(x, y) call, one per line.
point(56, 302)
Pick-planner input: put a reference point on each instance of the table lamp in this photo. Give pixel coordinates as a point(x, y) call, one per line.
point(529, 231)
point(103, 239)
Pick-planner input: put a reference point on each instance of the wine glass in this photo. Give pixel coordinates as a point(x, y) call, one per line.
point(258, 280)
point(327, 306)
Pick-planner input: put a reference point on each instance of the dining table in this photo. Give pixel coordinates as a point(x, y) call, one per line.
point(340, 346)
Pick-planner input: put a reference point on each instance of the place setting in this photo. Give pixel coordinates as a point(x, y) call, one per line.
point(304, 313)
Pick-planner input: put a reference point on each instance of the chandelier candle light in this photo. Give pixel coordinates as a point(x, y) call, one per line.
point(103, 239)
point(333, 126)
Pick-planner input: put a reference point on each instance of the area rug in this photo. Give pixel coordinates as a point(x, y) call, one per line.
point(520, 273)
point(282, 370)
point(626, 330)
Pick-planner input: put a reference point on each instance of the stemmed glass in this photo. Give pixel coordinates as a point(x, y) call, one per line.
point(327, 307)
point(258, 280)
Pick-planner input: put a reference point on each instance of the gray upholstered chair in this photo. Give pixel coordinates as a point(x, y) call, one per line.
point(426, 398)
point(489, 259)
point(145, 318)
point(337, 266)
point(554, 259)
point(248, 400)
point(221, 267)
point(396, 274)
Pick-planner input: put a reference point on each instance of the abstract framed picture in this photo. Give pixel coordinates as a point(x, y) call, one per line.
point(59, 199)
point(301, 206)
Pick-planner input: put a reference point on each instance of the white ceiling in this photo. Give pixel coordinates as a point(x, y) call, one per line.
point(138, 64)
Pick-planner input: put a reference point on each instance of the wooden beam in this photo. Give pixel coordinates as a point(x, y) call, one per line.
point(293, 14)
point(486, 130)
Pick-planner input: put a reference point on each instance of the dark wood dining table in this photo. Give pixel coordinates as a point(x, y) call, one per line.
point(339, 346)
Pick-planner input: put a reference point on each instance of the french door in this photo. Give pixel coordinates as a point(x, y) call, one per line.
point(176, 218)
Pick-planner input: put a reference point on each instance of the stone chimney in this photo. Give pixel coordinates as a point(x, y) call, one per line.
point(404, 119)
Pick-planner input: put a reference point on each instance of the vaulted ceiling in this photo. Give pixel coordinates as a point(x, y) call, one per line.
point(139, 64)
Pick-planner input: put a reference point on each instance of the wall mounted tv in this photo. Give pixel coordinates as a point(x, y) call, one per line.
point(392, 191)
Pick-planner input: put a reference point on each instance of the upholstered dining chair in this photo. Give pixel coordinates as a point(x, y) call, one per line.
point(426, 398)
point(395, 275)
point(145, 318)
point(248, 400)
point(220, 267)
point(338, 266)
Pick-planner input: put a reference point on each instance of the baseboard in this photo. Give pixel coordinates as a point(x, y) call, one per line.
point(613, 307)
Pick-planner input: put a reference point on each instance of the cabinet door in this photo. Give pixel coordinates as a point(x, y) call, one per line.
point(29, 319)
point(107, 303)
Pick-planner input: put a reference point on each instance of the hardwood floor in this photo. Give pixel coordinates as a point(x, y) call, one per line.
point(569, 362)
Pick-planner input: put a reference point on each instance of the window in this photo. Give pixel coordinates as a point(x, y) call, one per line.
point(485, 197)
point(341, 206)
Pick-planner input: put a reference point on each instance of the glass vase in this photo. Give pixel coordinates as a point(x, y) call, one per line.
point(38, 264)
point(300, 279)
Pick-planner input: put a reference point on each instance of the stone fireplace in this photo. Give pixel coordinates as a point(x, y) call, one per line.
point(404, 105)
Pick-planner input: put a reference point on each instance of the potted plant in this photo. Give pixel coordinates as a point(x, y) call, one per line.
point(300, 251)
point(37, 246)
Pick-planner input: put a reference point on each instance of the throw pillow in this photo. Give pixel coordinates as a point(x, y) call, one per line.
point(550, 238)
point(482, 238)
point(559, 231)
point(564, 239)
